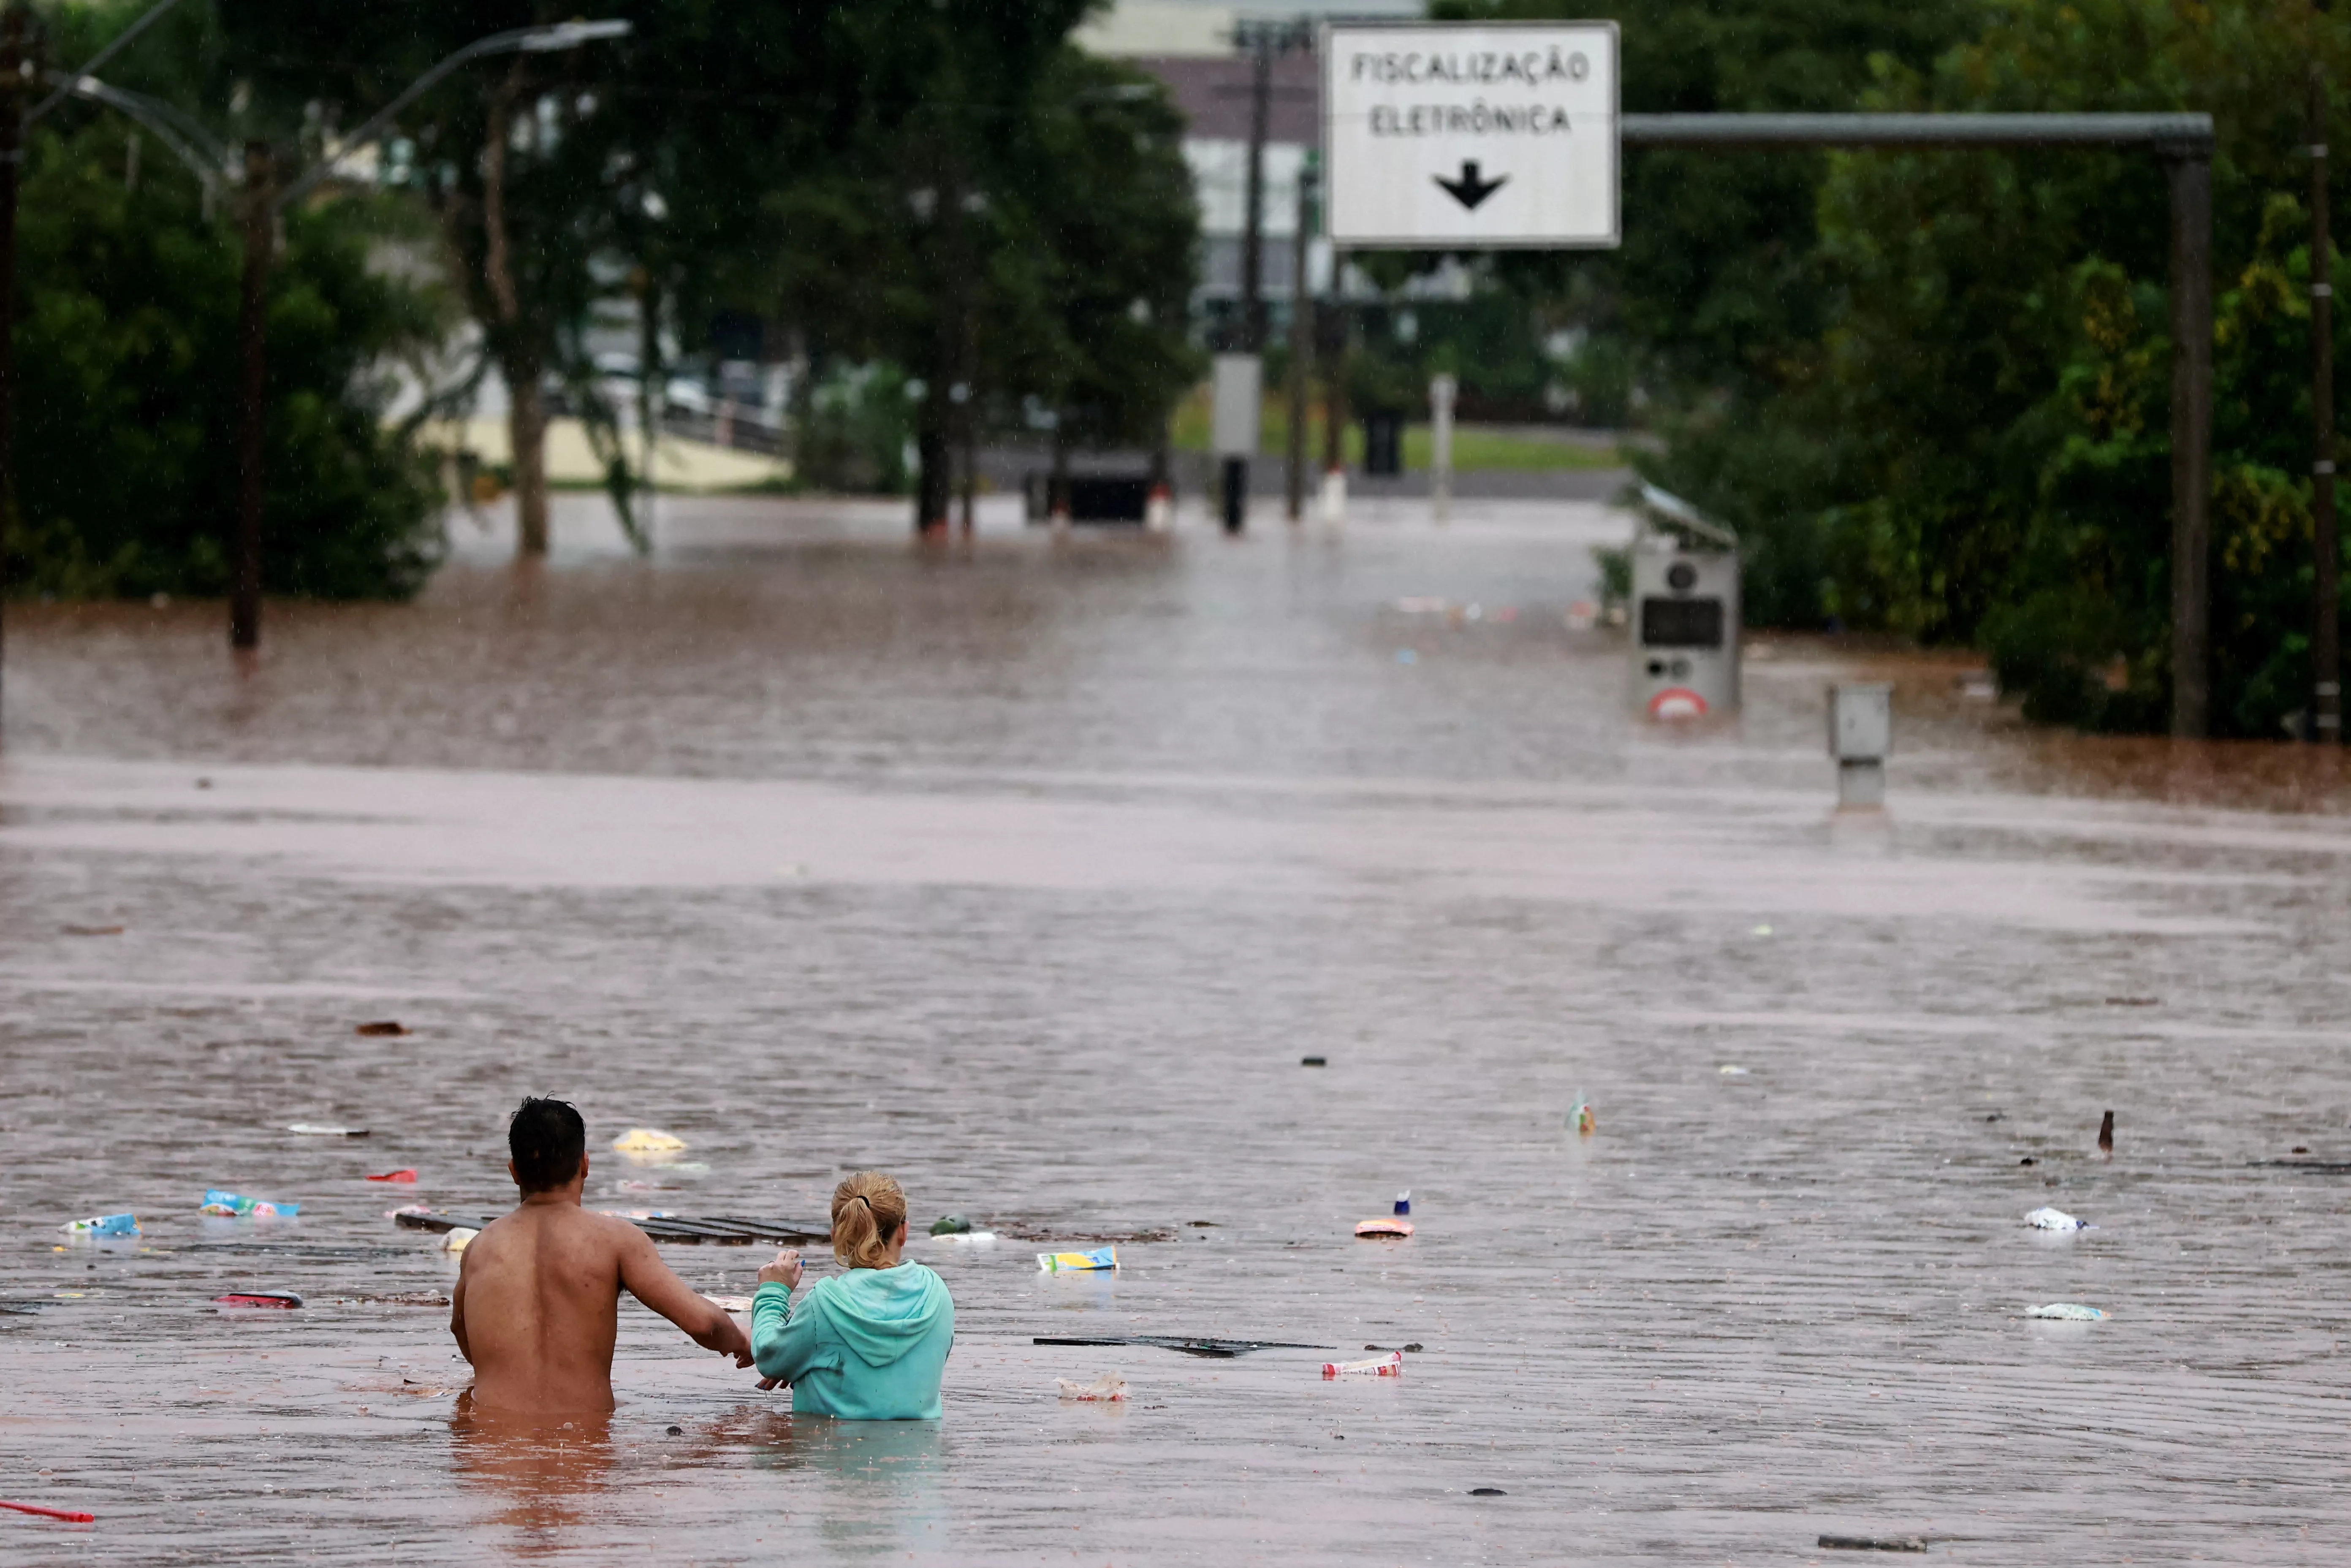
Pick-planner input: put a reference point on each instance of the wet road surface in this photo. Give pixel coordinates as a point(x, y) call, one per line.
point(1029, 873)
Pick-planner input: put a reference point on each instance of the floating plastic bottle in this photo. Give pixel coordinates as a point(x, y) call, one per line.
point(1580, 1117)
point(235, 1206)
point(1076, 1262)
point(1404, 1201)
point(1388, 1365)
point(2066, 1312)
point(103, 1224)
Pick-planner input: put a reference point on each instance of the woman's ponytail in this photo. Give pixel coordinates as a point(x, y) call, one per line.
point(867, 1210)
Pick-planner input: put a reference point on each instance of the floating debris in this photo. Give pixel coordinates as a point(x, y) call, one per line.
point(287, 1300)
point(951, 1224)
point(2047, 1218)
point(1215, 1349)
point(1873, 1543)
point(103, 1224)
point(2066, 1312)
point(92, 930)
point(307, 1130)
point(726, 1230)
point(1385, 1226)
point(405, 1174)
point(1388, 1365)
point(383, 1028)
point(647, 1141)
point(1108, 1387)
point(1313, 1062)
point(1076, 1262)
point(237, 1205)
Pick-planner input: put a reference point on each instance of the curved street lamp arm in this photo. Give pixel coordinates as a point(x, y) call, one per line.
point(188, 142)
point(99, 58)
point(521, 40)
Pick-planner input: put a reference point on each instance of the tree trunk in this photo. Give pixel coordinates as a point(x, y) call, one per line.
point(527, 434)
point(934, 482)
point(517, 361)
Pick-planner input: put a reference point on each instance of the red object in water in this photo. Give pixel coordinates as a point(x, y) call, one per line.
point(259, 1299)
point(65, 1514)
point(395, 1176)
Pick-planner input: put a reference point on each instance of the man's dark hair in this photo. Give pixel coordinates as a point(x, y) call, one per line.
point(548, 1140)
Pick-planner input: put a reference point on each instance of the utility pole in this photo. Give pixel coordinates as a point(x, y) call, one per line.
point(2191, 443)
point(260, 217)
point(1260, 43)
point(1301, 338)
point(2326, 638)
point(13, 57)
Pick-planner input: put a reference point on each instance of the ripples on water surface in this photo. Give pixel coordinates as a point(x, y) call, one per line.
point(1030, 875)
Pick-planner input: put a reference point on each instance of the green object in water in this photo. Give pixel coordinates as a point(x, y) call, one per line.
point(951, 1224)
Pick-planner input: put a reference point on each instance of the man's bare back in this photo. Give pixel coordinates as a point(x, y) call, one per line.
point(536, 1307)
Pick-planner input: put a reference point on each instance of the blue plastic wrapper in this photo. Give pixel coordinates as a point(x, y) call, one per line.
point(237, 1205)
point(103, 1224)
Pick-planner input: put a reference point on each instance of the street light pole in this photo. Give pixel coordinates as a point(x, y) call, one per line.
point(263, 202)
point(13, 61)
point(2326, 639)
point(259, 215)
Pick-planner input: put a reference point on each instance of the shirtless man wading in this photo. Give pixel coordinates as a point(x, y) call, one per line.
point(537, 1302)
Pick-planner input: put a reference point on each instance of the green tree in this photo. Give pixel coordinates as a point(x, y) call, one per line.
point(1986, 421)
point(126, 334)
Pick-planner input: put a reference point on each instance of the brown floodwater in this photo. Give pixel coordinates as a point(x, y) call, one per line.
point(1028, 872)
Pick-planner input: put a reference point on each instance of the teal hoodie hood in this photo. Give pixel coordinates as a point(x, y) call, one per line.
point(881, 1313)
point(866, 1345)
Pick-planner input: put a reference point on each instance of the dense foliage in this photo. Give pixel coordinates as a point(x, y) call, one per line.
point(1932, 390)
point(126, 356)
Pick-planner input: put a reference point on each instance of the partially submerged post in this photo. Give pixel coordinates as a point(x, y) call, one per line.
point(1861, 732)
point(1442, 390)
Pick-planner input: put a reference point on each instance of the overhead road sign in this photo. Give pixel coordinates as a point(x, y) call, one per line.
point(1475, 136)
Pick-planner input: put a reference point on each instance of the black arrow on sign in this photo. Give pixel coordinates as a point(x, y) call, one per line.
point(1470, 190)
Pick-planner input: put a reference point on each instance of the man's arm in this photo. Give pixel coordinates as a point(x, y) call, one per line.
point(652, 1281)
point(457, 1309)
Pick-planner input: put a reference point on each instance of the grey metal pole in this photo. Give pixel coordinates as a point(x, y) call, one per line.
point(12, 158)
point(1253, 213)
point(253, 322)
point(2326, 634)
point(1236, 469)
point(1302, 342)
point(2191, 443)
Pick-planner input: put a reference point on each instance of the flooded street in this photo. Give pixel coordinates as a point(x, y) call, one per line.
point(1030, 873)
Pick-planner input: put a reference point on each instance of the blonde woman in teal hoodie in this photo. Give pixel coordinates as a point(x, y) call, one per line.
point(867, 1343)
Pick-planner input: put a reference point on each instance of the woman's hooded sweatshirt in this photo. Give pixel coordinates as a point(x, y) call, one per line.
point(868, 1344)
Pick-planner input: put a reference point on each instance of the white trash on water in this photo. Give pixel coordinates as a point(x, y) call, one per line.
point(2066, 1312)
point(1110, 1386)
point(2046, 1219)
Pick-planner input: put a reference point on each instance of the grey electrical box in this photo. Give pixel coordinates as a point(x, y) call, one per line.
point(1860, 722)
point(1684, 611)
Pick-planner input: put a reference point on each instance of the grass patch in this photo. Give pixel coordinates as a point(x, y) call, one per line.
point(1474, 445)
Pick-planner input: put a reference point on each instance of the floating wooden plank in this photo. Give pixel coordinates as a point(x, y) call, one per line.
point(1221, 1349)
point(724, 1230)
